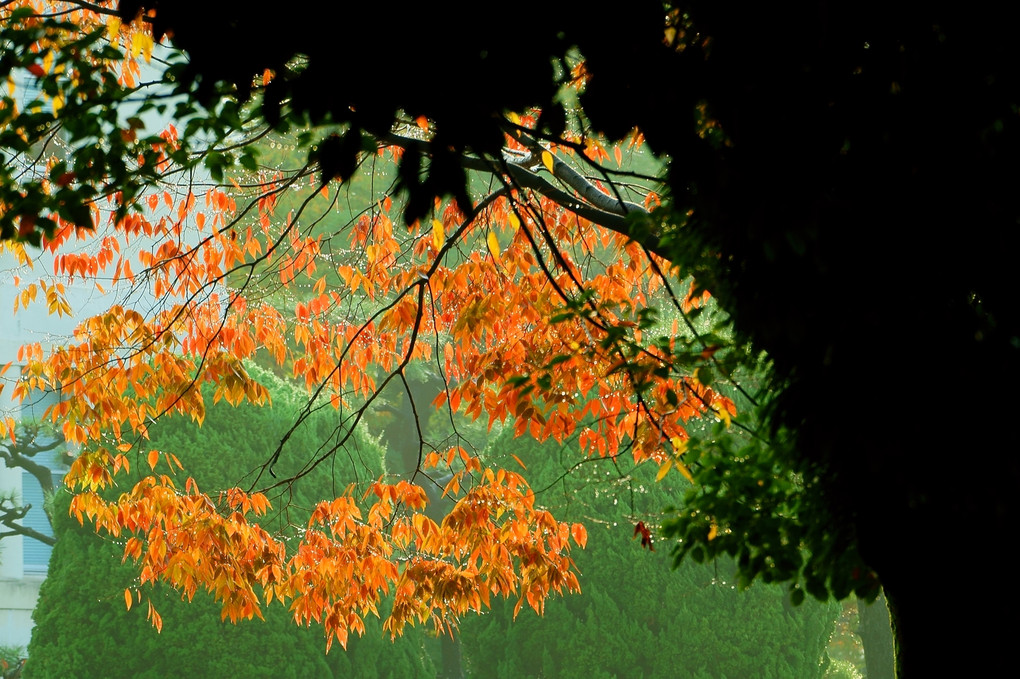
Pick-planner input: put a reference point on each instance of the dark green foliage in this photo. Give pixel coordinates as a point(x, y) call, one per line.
point(636, 617)
point(97, 130)
point(83, 629)
point(758, 505)
point(461, 82)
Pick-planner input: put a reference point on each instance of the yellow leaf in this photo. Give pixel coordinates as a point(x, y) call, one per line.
point(141, 44)
point(515, 223)
point(712, 532)
point(723, 414)
point(493, 243)
point(679, 445)
point(153, 458)
point(113, 27)
point(663, 470)
point(438, 235)
point(682, 468)
point(157, 621)
point(547, 160)
point(127, 598)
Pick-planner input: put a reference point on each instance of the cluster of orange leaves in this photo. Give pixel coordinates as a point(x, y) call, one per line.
point(494, 541)
point(473, 296)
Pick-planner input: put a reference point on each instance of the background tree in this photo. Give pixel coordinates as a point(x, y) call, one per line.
point(876, 638)
point(31, 443)
point(637, 617)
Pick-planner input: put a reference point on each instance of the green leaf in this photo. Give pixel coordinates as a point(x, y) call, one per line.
point(249, 159)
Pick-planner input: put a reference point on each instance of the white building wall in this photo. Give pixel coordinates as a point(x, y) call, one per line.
point(19, 591)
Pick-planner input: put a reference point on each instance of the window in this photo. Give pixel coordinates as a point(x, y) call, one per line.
point(36, 553)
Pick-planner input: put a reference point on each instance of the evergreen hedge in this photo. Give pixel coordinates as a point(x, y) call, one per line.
point(83, 629)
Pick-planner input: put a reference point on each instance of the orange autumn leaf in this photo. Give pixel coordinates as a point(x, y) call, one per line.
point(516, 304)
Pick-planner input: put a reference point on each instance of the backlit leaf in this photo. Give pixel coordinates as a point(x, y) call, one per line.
point(493, 244)
point(663, 470)
point(438, 236)
point(547, 160)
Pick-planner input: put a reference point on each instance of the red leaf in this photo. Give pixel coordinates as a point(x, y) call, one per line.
point(646, 535)
point(27, 225)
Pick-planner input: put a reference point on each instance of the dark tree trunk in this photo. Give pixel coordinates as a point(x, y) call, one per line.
point(410, 407)
point(950, 618)
point(452, 667)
